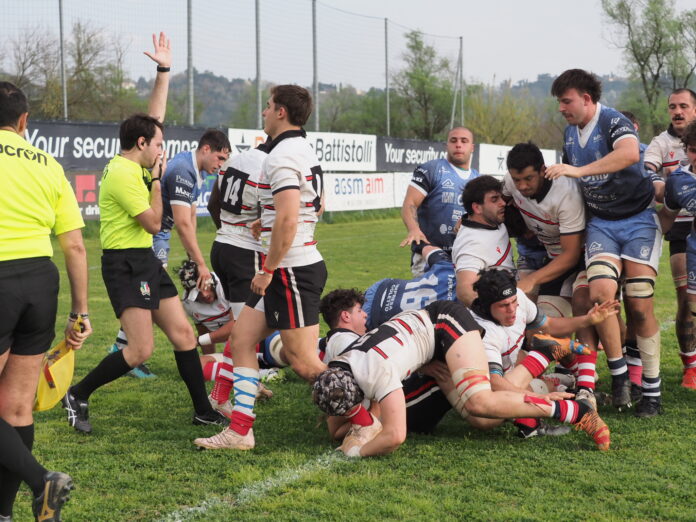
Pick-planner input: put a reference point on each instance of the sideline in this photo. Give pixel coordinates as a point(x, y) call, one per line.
point(257, 490)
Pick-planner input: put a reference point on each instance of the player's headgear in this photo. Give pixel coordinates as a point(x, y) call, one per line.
point(492, 286)
point(188, 274)
point(336, 392)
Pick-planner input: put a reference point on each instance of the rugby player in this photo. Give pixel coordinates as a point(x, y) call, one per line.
point(432, 205)
point(663, 157)
point(374, 366)
point(140, 290)
point(36, 200)
point(287, 288)
point(482, 240)
point(623, 235)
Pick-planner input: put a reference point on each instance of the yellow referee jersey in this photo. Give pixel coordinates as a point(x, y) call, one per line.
point(35, 198)
point(124, 194)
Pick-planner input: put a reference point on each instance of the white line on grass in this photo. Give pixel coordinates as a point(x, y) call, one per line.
point(257, 490)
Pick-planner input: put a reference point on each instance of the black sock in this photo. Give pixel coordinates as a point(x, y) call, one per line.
point(109, 369)
point(9, 482)
point(189, 366)
point(16, 458)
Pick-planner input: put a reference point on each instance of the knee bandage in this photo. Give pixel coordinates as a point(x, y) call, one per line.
point(640, 287)
point(456, 401)
point(466, 387)
point(580, 281)
point(649, 348)
point(601, 269)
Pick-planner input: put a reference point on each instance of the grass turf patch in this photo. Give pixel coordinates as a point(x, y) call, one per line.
point(140, 464)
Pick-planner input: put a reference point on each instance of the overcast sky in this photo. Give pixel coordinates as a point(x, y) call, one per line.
point(503, 39)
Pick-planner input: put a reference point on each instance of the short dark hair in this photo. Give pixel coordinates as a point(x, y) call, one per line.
point(138, 125)
point(525, 155)
point(688, 139)
point(682, 90)
point(475, 191)
point(337, 301)
point(215, 139)
point(580, 80)
point(296, 100)
point(13, 103)
point(631, 117)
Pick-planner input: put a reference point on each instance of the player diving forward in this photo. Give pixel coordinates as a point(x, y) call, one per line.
point(374, 366)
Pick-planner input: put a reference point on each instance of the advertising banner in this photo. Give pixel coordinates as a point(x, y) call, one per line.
point(401, 155)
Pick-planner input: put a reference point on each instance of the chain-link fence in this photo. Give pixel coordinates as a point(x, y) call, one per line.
point(351, 48)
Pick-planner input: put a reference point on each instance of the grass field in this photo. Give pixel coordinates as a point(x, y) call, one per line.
point(139, 462)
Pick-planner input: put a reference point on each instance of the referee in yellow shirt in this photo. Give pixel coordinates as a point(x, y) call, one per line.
point(140, 290)
point(35, 199)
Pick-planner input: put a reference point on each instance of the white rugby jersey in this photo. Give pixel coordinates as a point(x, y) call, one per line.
point(292, 164)
point(478, 246)
point(337, 341)
point(211, 315)
point(557, 210)
point(503, 343)
point(381, 364)
point(239, 199)
point(666, 151)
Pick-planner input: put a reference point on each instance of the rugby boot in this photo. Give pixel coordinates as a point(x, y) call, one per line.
point(211, 417)
point(227, 439)
point(56, 492)
point(592, 424)
point(649, 407)
point(585, 394)
point(78, 412)
point(224, 407)
point(558, 348)
point(689, 379)
point(621, 393)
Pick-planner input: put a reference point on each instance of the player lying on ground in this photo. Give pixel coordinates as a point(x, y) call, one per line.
point(374, 366)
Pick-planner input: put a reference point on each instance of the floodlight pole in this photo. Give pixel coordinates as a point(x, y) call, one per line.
point(259, 102)
point(314, 61)
point(386, 72)
point(189, 37)
point(63, 81)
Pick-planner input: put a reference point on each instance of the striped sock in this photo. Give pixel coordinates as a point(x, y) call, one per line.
point(688, 359)
point(210, 370)
point(635, 365)
point(618, 368)
point(536, 362)
point(225, 376)
point(360, 416)
point(567, 411)
point(246, 382)
point(651, 386)
point(586, 366)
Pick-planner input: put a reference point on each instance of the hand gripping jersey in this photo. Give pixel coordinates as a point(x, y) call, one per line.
point(503, 343)
point(442, 185)
point(292, 164)
point(384, 357)
point(666, 151)
point(388, 297)
point(239, 199)
point(181, 185)
point(558, 209)
point(480, 246)
point(614, 195)
point(211, 315)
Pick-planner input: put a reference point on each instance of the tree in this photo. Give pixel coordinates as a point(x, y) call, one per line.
point(425, 87)
point(660, 48)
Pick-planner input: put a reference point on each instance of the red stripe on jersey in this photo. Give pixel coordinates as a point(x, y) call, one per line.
point(398, 340)
point(505, 254)
point(246, 207)
point(310, 243)
point(266, 229)
point(253, 184)
point(216, 317)
point(288, 297)
point(670, 163)
point(447, 328)
point(405, 325)
point(417, 392)
point(309, 178)
point(417, 316)
point(376, 349)
point(514, 347)
point(264, 185)
point(243, 225)
point(269, 207)
point(529, 214)
point(307, 205)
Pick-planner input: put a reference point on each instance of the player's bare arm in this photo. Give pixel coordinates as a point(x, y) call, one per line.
point(571, 250)
point(565, 326)
point(667, 218)
point(625, 153)
point(185, 224)
point(409, 214)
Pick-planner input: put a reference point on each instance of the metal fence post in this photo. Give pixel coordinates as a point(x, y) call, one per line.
point(259, 102)
point(314, 61)
point(386, 72)
point(63, 80)
point(189, 37)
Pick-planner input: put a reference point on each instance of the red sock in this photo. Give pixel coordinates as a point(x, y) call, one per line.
point(359, 415)
point(536, 362)
point(210, 370)
point(586, 365)
point(241, 422)
point(527, 422)
point(223, 379)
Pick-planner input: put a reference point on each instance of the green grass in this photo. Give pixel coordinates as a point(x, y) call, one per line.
point(140, 464)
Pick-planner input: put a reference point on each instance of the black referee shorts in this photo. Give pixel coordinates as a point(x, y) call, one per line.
point(135, 278)
point(28, 305)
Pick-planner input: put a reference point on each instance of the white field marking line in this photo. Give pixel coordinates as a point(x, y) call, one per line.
point(257, 490)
